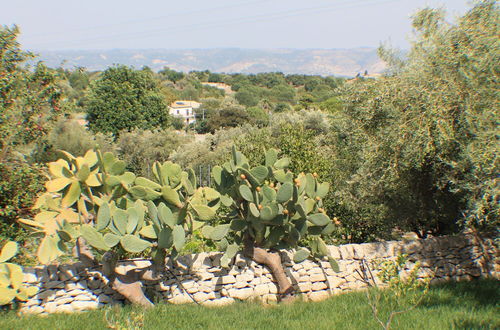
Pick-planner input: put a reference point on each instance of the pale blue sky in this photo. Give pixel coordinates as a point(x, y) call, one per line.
point(107, 24)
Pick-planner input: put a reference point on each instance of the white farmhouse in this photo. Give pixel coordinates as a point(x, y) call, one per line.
point(184, 110)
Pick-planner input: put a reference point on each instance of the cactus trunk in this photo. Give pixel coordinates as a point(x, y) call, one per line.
point(127, 285)
point(273, 261)
point(131, 288)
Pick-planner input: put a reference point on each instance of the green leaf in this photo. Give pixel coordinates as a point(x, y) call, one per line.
point(310, 185)
point(64, 235)
point(192, 177)
point(118, 168)
point(112, 181)
point(217, 175)
point(140, 181)
point(165, 238)
point(328, 230)
point(153, 213)
point(83, 173)
point(285, 192)
point(111, 239)
point(204, 212)
point(260, 173)
point(282, 163)
point(250, 177)
point(231, 251)
point(209, 194)
point(267, 213)
point(236, 155)
point(319, 219)
point(6, 296)
point(47, 251)
point(165, 215)
point(120, 221)
point(226, 200)
point(132, 219)
point(322, 248)
point(334, 264)
point(206, 231)
point(179, 237)
point(245, 192)
point(108, 160)
point(58, 184)
point(238, 225)
point(93, 237)
point(8, 251)
point(269, 193)
point(127, 178)
point(322, 189)
point(274, 237)
point(171, 196)
point(310, 203)
point(271, 157)
point(148, 232)
point(71, 195)
point(219, 232)
point(103, 217)
point(254, 210)
point(134, 244)
point(301, 255)
point(301, 210)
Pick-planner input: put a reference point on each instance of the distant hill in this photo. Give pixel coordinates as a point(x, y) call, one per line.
point(339, 62)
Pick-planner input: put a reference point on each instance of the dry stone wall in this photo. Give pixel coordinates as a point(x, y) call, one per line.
point(200, 278)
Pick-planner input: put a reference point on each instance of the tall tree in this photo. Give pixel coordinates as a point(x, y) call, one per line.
point(124, 99)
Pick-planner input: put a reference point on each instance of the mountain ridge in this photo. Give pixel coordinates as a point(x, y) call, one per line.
point(338, 62)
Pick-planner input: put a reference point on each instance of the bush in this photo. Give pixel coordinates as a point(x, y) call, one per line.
point(19, 185)
point(71, 136)
point(140, 149)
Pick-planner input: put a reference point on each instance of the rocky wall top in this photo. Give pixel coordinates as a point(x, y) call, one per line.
point(200, 278)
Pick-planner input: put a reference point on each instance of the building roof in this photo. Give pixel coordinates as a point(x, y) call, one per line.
point(184, 104)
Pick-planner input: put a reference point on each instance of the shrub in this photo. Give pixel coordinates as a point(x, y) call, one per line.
point(19, 185)
point(140, 149)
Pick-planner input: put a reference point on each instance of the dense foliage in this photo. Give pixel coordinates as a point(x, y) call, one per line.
point(422, 141)
point(123, 99)
point(413, 150)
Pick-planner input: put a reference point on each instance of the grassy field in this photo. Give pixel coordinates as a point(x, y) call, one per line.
point(465, 305)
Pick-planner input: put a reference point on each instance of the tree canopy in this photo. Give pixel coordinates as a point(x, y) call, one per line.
point(124, 99)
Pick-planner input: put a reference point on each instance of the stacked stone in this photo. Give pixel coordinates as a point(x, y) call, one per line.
point(67, 288)
point(200, 278)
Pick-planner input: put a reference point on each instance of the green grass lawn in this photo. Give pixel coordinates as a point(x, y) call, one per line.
point(465, 305)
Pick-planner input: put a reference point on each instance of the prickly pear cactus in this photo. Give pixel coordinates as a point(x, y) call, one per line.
point(94, 197)
point(11, 277)
point(272, 207)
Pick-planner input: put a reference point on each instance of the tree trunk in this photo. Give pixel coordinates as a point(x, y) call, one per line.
point(128, 285)
point(273, 261)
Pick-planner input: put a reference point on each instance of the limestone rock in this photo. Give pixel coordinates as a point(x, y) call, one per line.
point(318, 295)
point(84, 305)
point(241, 294)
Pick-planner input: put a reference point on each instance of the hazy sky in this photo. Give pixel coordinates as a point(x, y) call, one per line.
point(106, 24)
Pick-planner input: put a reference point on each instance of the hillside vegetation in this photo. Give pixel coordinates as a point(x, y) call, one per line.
point(413, 150)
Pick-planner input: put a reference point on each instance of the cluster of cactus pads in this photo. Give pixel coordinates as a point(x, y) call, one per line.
point(11, 277)
point(271, 209)
point(93, 197)
point(93, 200)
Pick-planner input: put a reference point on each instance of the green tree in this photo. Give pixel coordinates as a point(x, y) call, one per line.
point(424, 138)
point(123, 99)
point(29, 99)
point(228, 117)
point(171, 75)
